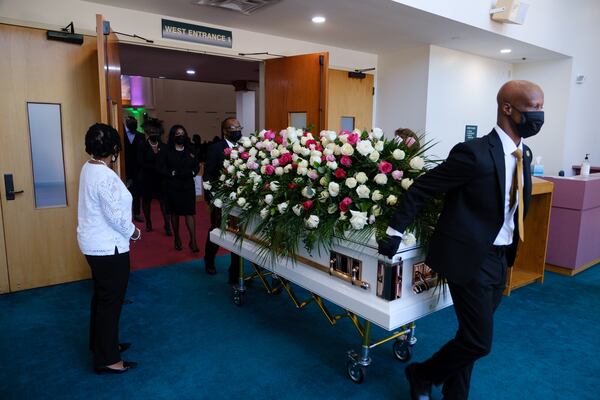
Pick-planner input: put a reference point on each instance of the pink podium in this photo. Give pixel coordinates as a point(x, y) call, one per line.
point(574, 238)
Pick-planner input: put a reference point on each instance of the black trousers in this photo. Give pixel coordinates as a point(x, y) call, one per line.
point(474, 305)
point(211, 249)
point(110, 275)
point(135, 190)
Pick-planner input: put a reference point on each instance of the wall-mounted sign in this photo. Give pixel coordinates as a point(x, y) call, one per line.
point(470, 132)
point(196, 33)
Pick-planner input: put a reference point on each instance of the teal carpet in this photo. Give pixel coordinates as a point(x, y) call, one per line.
point(193, 343)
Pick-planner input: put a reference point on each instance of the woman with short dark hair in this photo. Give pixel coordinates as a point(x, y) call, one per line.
point(104, 229)
point(179, 166)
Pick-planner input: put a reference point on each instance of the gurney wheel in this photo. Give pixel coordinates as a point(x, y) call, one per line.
point(355, 371)
point(402, 350)
point(238, 298)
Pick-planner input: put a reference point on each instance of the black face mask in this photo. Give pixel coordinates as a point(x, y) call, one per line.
point(179, 140)
point(154, 138)
point(531, 123)
point(234, 136)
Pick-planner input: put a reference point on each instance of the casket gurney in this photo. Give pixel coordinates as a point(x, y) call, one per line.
point(391, 293)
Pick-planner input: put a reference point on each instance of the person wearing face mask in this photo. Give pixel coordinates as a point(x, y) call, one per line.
point(178, 165)
point(231, 132)
point(149, 176)
point(104, 231)
point(133, 141)
point(487, 187)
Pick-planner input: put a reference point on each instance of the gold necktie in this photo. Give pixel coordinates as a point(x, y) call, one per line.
point(518, 188)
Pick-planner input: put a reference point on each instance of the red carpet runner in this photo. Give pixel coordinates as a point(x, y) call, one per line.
point(156, 249)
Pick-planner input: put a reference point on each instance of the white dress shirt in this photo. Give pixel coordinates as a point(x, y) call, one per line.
point(505, 236)
point(104, 212)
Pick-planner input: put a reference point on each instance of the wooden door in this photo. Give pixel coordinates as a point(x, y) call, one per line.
point(350, 99)
point(296, 85)
point(109, 79)
point(39, 243)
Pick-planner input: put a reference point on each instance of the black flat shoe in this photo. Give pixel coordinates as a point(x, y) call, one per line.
point(127, 365)
point(178, 246)
point(168, 231)
point(124, 346)
point(148, 228)
point(195, 248)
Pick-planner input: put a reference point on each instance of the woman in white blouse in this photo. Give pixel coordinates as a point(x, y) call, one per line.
point(104, 230)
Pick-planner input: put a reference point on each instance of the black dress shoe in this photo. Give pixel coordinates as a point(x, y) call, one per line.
point(193, 247)
point(148, 227)
point(420, 389)
point(127, 365)
point(124, 346)
point(138, 218)
point(168, 231)
point(210, 270)
point(178, 246)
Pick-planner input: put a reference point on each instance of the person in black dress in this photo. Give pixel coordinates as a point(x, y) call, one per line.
point(149, 177)
point(178, 165)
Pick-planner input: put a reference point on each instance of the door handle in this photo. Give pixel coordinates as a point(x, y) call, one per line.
point(10, 187)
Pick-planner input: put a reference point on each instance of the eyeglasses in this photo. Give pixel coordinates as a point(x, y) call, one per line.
point(234, 128)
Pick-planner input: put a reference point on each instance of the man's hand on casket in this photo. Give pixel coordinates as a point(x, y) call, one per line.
point(388, 245)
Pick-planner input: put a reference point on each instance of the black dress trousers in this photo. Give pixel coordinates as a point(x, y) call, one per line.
point(110, 275)
point(211, 249)
point(474, 304)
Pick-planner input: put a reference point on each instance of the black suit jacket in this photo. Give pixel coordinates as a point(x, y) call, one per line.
point(132, 165)
point(214, 162)
point(473, 180)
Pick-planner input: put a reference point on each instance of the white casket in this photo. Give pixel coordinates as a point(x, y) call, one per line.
point(388, 293)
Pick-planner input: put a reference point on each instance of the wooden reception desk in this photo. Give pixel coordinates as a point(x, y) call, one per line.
point(573, 243)
point(529, 264)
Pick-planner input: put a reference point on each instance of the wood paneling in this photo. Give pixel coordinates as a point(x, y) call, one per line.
point(4, 282)
point(350, 97)
point(296, 84)
point(41, 244)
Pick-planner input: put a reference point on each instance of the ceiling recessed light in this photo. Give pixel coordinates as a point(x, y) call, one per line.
point(190, 72)
point(318, 19)
point(505, 51)
point(161, 77)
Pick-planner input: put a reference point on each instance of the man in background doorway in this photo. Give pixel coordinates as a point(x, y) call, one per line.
point(231, 132)
point(133, 141)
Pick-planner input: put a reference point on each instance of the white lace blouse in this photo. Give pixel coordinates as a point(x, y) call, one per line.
point(104, 212)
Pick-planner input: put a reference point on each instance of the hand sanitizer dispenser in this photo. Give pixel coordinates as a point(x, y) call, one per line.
point(585, 166)
point(538, 167)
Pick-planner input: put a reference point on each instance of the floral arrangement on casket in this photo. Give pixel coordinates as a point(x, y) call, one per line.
point(294, 187)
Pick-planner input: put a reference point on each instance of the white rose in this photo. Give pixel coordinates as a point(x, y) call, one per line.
point(274, 186)
point(351, 183)
point(226, 163)
point(405, 183)
point(359, 219)
point(391, 200)
point(305, 151)
point(262, 154)
point(374, 156)
point(292, 135)
point(417, 163)
point(232, 195)
point(257, 179)
point(218, 203)
point(239, 174)
point(222, 178)
point(269, 198)
point(332, 165)
point(229, 183)
point(334, 189)
point(323, 181)
point(275, 153)
point(337, 150)
point(297, 148)
point(297, 209)
point(361, 177)
point(376, 196)
point(347, 149)
point(377, 133)
point(253, 152)
point(302, 171)
point(365, 147)
point(265, 161)
point(287, 168)
point(261, 134)
point(381, 179)
point(303, 164)
point(230, 169)
point(329, 135)
point(238, 162)
point(206, 185)
point(327, 152)
point(253, 139)
point(379, 146)
point(343, 216)
point(371, 219)
point(308, 192)
point(279, 171)
point(376, 210)
point(315, 160)
point(246, 142)
point(241, 201)
point(398, 154)
point(332, 208)
point(275, 162)
point(281, 207)
point(363, 191)
point(264, 213)
point(409, 239)
point(311, 222)
point(323, 196)
point(234, 154)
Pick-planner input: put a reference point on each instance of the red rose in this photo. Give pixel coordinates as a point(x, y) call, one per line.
point(345, 204)
point(307, 204)
point(294, 166)
point(227, 151)
point(340, 173)
point(291, 186)
point(385, 167)
point(346, 161)
point(285, 159)
point(310, 142)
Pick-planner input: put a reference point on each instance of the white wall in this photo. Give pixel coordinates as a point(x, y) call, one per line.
point(554, 78)
point(401, 90)
point(461, 91)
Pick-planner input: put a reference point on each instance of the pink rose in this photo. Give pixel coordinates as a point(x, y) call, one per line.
point(346, 161)
point(245, 156)
point(313, 175)
point(285, 158)
point(352, 138)
point(227, 151)
point(385, 167)
point(409, 141)
point(252, 165)
point(397, 175)
point(330, 157)
point(345, 204)
point(344, 132)
point(269, 135)
point(269, 169)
